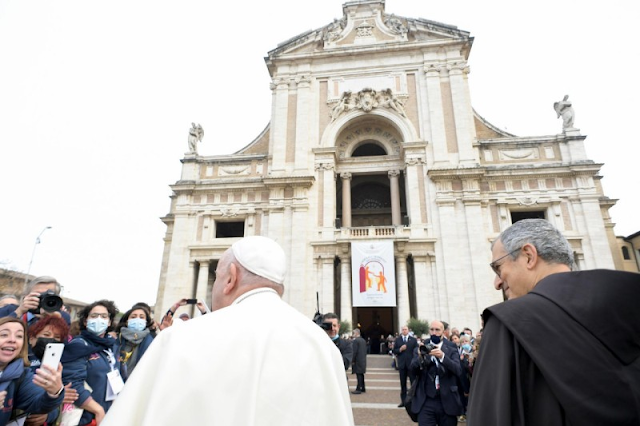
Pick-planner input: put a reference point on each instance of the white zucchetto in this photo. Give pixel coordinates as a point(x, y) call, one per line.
point(262, 256)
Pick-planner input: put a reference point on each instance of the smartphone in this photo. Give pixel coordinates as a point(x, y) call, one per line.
point(52, 355)
point(192, 301)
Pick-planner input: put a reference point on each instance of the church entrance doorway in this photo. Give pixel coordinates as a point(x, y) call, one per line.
point(374, 323)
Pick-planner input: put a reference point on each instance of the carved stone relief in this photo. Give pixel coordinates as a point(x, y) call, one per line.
point(385, 136)
point(334, 30)
point(395, 25)
point(234, 171)
point(366, 100)
point(364, 30)
point(229, 211)
point(519, 154)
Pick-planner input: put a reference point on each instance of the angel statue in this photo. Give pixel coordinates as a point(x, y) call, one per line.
point(565, 110)
point(196, 133)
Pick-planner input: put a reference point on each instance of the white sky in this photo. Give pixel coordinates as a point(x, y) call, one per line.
point(96, 99)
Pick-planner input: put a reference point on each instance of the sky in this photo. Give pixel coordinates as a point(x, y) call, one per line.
point(96, 100)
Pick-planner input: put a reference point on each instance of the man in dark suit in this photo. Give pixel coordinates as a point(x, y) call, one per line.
point(437, 400)
point(403, 348)
point(359, 365)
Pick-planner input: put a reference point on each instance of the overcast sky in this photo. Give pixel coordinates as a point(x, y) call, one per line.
point(96, 99)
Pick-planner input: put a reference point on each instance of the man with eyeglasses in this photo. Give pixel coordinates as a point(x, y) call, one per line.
point(437, 368)
point(563, 348)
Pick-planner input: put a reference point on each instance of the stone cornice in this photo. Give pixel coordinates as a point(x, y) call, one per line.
point(457, 173)
point(530, 140)
point(303, 181)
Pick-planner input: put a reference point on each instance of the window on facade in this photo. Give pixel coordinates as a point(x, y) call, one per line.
point(370, 196)
point(229, 229)
point(368, 150)
point(625, 253)
point(534, 214)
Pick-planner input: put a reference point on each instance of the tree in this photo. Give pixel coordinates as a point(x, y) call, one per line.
point(419, 327)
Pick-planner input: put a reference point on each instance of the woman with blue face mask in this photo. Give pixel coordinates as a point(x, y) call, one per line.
point(134, 337)
point(91, 364)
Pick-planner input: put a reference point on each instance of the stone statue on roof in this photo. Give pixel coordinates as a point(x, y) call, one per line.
point(565, 110)
point(196, 133)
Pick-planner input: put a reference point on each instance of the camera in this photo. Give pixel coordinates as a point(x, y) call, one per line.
point(426, 348)
point(318, 319)
point(49, 301)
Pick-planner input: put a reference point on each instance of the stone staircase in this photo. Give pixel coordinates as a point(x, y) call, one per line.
point(379, 405)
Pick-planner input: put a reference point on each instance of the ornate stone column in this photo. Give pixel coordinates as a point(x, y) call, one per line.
point(403, 289)
point(346, 199)
point(203, 281)
point(345, 288)
point(396, 219)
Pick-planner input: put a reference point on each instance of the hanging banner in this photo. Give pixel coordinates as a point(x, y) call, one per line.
point(373, 274)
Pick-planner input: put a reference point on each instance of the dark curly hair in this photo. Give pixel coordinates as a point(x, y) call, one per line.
point(83, 315)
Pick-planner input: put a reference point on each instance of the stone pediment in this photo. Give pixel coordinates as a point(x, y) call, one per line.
point(364, 23)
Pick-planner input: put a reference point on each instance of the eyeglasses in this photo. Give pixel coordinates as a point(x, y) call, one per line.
point(494, 265)
point(96, 315)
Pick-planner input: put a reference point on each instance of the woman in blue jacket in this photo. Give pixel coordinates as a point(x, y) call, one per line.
point(90, 358)
point(21, 389)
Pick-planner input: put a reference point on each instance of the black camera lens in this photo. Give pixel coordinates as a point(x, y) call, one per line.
point(50, 301)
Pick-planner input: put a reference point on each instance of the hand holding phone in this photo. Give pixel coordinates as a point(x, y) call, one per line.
point(52, 355)
point(192, 301)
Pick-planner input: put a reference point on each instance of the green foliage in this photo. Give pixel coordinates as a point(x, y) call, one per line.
point(345, 327)
point(419, 327)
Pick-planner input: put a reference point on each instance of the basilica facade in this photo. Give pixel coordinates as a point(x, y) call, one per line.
point(373, 139)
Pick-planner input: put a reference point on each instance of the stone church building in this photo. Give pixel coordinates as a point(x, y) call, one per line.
point(373, 138)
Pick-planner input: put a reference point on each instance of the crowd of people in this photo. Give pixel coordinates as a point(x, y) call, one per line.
point(100, 353)
point(284, 368)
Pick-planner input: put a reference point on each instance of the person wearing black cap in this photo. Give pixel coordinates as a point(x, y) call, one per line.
point(254, 360)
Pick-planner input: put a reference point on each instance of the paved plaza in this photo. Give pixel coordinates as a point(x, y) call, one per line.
point(379, 405)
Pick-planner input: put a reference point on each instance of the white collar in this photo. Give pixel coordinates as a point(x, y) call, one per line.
point(253, 292)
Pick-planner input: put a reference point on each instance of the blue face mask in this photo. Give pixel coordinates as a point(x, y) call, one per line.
point(435, 339)
point(466, 347)
point(97, 325)
point(136, 324)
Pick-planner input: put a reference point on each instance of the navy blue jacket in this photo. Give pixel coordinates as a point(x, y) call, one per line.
point(24, 395)
point(448, 372)
point(93, 369)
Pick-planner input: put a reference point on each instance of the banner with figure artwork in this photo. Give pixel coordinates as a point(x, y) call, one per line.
point(373, 274)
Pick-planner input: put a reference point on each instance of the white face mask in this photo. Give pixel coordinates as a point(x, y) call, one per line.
point(136, 324)
point(97, 325)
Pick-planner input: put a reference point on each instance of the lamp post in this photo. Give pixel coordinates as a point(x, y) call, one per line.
point(34, 251)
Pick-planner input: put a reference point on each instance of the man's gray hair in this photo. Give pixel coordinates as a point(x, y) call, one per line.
point(43, 280)
point(551, 245)
point(356, 331)
point(9, 296)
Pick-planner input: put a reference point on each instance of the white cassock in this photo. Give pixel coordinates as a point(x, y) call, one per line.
point(256, 362)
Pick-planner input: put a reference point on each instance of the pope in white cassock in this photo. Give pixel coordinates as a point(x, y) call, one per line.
point(253, 361)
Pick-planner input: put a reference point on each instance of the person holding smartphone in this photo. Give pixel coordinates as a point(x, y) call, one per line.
point(20, 388)
point(49, 330)
point(167, 319)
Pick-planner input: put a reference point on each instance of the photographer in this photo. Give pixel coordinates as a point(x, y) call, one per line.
point(343, 345)
point(42, 297)
point(436, 400)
